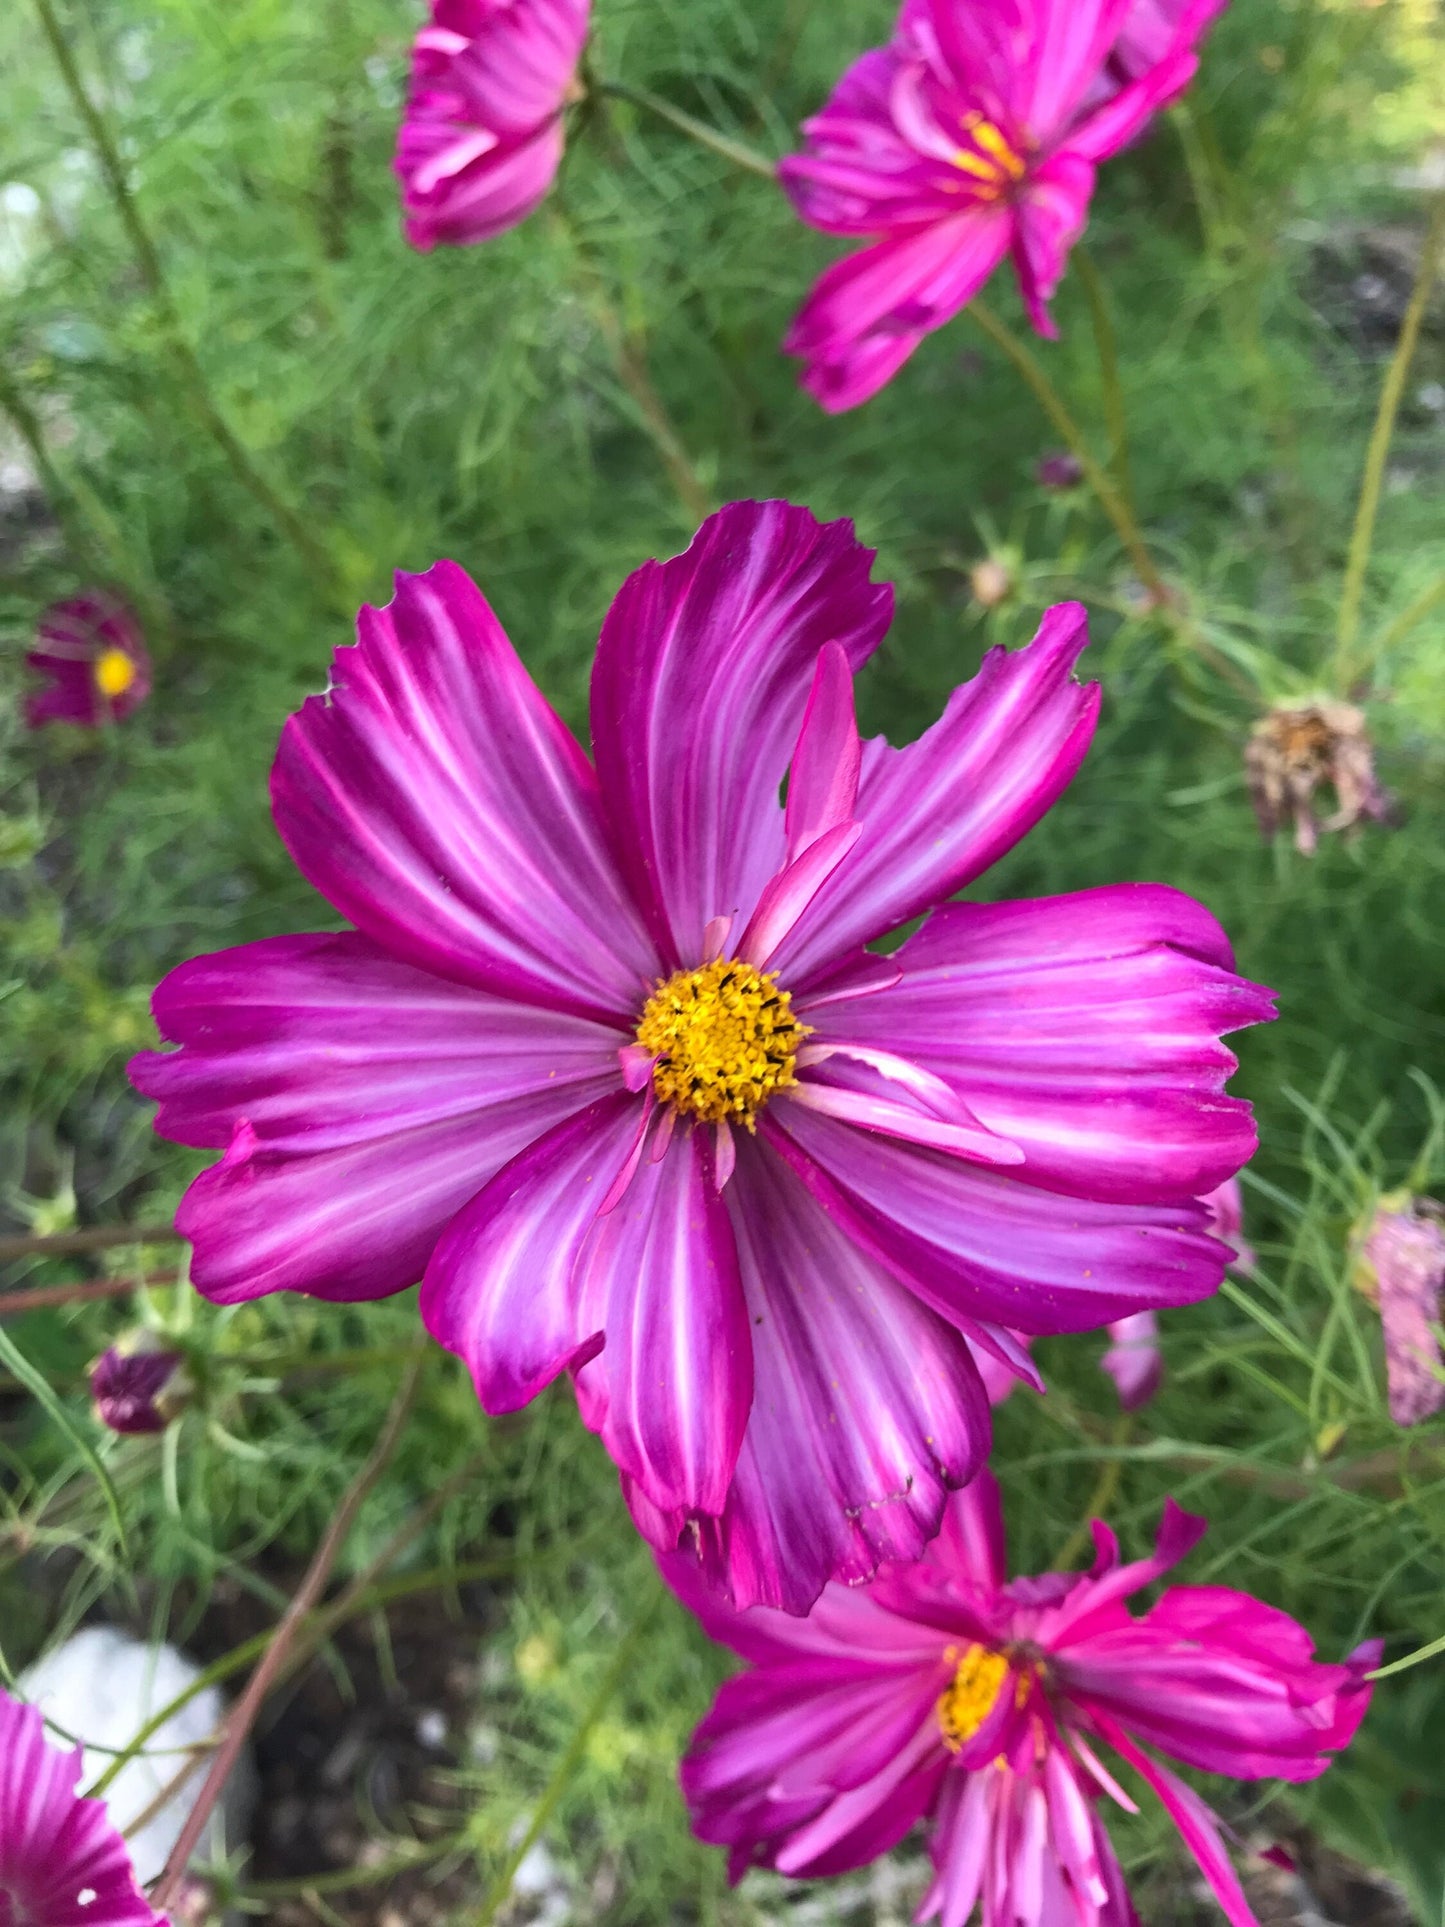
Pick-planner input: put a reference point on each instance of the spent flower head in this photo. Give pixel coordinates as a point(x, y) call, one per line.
point(1298, 749)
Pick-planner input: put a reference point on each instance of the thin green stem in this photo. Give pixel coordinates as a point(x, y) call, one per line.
point(732, 150)
point(148, 261)
point(1362, 540)
point(269, 1669)
point(630, 364)
point(1424, 604)
point(1100, 1499)
point(1106, 343)
point(1052, 403)
point(74, 1244)
point(566, 1766)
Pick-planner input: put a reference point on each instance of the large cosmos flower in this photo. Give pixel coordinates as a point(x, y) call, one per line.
point(481, 140)
point(943, 1692)
point(90, 652)
point(62, 1863)
point(608, 1059)
point(974, 134)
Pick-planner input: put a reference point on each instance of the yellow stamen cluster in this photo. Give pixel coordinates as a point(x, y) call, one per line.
point(994, 164)
point(724, 1038)
point(114, 673)
point(971, 1695)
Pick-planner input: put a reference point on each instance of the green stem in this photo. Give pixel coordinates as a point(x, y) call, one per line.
point(632, 371)
point(732, 150)
point(1100, 1499)
point(1428, 600)
point(193, 378)
point(1107, 345)
point(1362, 540)
point(269, 1668)
point(96, 1237)
point(1052, 403)
point(566, 1766)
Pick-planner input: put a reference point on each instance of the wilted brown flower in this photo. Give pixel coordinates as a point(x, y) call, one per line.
point(1298, 747)
point(1401, 1268)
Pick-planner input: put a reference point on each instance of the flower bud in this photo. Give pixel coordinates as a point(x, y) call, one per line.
point(139, 1385)
point(992, 581)
point(1059, 471)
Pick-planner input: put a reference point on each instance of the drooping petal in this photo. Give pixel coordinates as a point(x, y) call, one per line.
point(823, 775)
point(671, 1389)
point(868, 312)
point(1085, 1029)
point(698, 691)
point(436, 800)
point(503, 1289)
point(867, 1409)
point(1052, 215)
point(1198, 1827)
point(361, 1103)
point(937, 814)
point(987, 1245)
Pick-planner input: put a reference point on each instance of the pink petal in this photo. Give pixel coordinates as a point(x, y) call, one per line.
point(62, 1862)
point(823, 776)
point(787, 895)
point(1071, 41)
point(1134, 1360)
point(699, 688)
point(938, 813)
point(867, 313)
point(460, 193)
point(1198, 1827)
point(435, 799)
point(1221, 1681)
point(979, 1244)
point(866, 1409)
point(361, 1103)
point(962, 1135)
point(1053, 213)
point(1085, 1029)
point(503, 1289)
point(674, 1382)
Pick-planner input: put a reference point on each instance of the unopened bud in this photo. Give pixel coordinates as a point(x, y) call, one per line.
point(139, 1385)
point(1059, 471)
point(992, 581)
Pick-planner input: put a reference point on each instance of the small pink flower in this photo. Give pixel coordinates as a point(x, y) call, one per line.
point(608, 1064)
point(94, 661)
point(138, 1385)
point(974, 134)
point(943, 1693)
point(1404, 1272)
point(481, 140)
point(62, 1863)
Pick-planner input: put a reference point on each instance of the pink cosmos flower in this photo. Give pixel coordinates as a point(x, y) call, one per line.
point(607, 1058)
point(62, 1863)
point(93, 658)
point(974, 134)
point(942, 1693)
point(482, 137)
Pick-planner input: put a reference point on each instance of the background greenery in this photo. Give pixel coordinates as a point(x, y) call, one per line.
point(509, 406)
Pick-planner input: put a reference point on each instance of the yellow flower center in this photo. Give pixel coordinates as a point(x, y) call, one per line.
point(724, 1038)
point(971, 1695)
point(114, 673)
point(991, 161)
